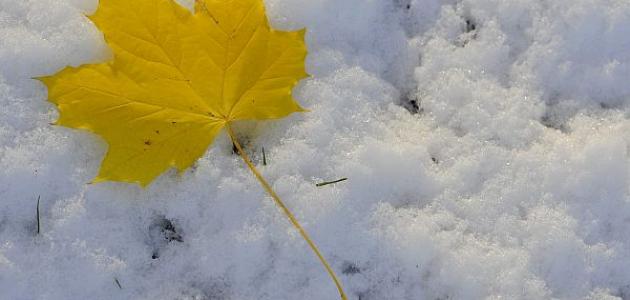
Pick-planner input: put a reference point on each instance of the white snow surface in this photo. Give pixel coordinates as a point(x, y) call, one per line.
point(507, 178)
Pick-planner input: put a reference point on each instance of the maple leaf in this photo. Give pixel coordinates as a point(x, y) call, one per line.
point(177, 79)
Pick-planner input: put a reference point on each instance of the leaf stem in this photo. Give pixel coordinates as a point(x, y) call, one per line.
point(286, 211)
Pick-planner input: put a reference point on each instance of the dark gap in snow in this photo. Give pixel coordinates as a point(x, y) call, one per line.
point(411, 103)
point(369, 294)
point(469, 32)
point(244, 141)
point(400, 71)
point(549, 121)
point(470, 25)
point(193, 167)
point(611, 105)
point(556, 117)
point(406, 4)
point(161, 232)
point(350, 268)
point(3, 223)
point(245, 134)
point(623, 292)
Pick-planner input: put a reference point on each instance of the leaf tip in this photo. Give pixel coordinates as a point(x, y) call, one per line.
point(43, 79)
point(302, 109)
point(144, 183)
point(302, 33)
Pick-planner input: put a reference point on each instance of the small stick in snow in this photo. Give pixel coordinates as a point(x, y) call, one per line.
point(331, 182)
point(38, 225)
point(117, 283)
point(264, 157)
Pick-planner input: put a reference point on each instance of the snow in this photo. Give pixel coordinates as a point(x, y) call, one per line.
point(485, 141)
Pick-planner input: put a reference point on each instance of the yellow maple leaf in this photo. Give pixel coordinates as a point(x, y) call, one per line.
point(176, 80)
